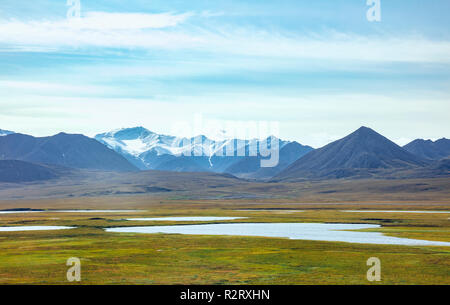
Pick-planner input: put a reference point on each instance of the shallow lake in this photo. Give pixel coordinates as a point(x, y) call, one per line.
point(303, 231)
point(94, 211)
point(33, 228)
point(271, 210)
point(185, 218)
point(386, 211)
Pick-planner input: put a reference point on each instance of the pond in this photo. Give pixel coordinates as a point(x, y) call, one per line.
point(185, 218)
point(303, 231)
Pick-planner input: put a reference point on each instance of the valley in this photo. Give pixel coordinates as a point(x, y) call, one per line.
point(39, 257)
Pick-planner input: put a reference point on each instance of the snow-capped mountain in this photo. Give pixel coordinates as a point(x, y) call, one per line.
point(5, 132)
point(138, 140)
point(149, 150)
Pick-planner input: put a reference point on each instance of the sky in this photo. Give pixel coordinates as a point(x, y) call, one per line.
point(318, 68)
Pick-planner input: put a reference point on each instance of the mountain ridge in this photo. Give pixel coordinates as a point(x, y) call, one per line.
point(433, 150)
point(69, 150)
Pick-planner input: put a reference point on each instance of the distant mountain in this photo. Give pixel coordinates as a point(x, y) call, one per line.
point(69, 150)
point(429, 149)
point(249, 167)
point(5, 132)
point(148, 150)
point(359, 154)
point(14, 171)
point(138, 145)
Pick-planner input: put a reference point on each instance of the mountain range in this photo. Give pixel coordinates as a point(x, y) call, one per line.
point(362, 154)
point(148, 150)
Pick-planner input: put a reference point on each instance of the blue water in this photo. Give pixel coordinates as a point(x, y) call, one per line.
point(303, 231)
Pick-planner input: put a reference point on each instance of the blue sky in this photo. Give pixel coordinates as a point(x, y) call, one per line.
point(319, 68)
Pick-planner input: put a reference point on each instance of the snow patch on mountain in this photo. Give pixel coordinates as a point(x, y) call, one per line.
point(5, 132)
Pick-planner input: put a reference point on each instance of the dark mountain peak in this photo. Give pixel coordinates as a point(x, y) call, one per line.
point(365, 130)
point(68, 135)
point(362, 150)
point(362, 141)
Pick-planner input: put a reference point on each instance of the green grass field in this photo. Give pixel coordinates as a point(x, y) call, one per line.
point(123, 258)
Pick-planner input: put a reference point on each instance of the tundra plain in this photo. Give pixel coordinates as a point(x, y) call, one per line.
point(39, 257)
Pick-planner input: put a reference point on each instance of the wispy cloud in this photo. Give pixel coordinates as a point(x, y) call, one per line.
point(52, 88)
point(98, 21)
point(160, 31)
point(97, 29)
point(123, 21)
